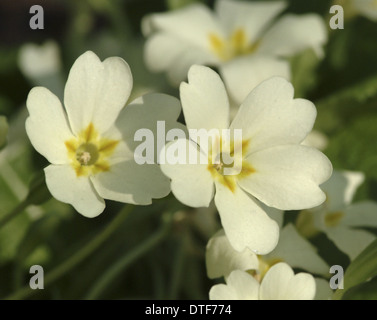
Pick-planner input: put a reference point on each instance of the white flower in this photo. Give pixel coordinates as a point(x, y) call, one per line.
point(238, 37)
point(89, 143)
point(37, 61)
point(280, 283)
point(316, 140)
point(273, 167)
point(222, 259)
point(339, 219)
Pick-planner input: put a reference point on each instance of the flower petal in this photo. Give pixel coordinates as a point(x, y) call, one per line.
point(204, 100)
point(180, 67)
point(242, 75)
point(295, 33)
point(96, 91)
point(222, 259)
point(280, 283)
point(298, 252)
point(245, 224)
point(151, 115)
point(222, 292)
point(253, 17)
point(192, 184)
point(130, 182)
point(47, 125)
point(192, 23)
point(270, 116)
point(363, 214)
point(66, 187)
point(341, 188)
point(288, 177)
point(240, 286)
point(246, 285)
point(350, 241)
point(165, 52)
point(161, 49)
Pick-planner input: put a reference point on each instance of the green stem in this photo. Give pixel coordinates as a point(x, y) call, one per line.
point(177, 268)
point(128, 259)
point(15, 212)
point(38, 194)
point(77, 257)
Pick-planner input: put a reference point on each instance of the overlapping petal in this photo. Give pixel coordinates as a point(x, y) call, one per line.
point(288, 177)
point(292, 34)
point(253, 17)
point(245, 224)
point(280, 283)
point(66, 187)
point(204, 100)
point(192, 184)
point(270, 116)
point(222, 259)
point(242, 75)
point(240, 286)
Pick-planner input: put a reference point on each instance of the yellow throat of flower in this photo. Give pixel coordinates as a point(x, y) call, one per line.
point(89, 153)
point(264, 266)
point(236, 45)
point(217, 166)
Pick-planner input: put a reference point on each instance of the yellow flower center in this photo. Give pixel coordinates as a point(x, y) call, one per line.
point(89, 152)
point(332, 219)
point(236, 45)
point(264, 266)
point(221, 170)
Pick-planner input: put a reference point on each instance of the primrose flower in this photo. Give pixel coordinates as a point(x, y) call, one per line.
point(340, 219)
point(239, 38)
point(267, 163)
point(89, 143)
point(222, 259)
point(280, 283)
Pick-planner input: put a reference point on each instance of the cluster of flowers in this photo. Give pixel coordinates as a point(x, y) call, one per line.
point(90, 143)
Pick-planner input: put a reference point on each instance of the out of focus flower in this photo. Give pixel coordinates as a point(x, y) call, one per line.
point(340, 219)
point(222, 259)
point(241, 38)
point(89, 143)
point(280, 283)
point(366, 8)
point(271, 165)
point(39, 60)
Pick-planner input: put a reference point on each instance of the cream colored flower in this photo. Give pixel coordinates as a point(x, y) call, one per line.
point(340, 219)
point(272, 166)
point(90, 144)
point(280, 283)
point(241, 38)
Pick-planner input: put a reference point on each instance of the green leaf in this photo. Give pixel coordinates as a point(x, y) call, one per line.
point(3, 131)
point(353, 147)
point(360, 270)
point(364, 291)
point(342, 107)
